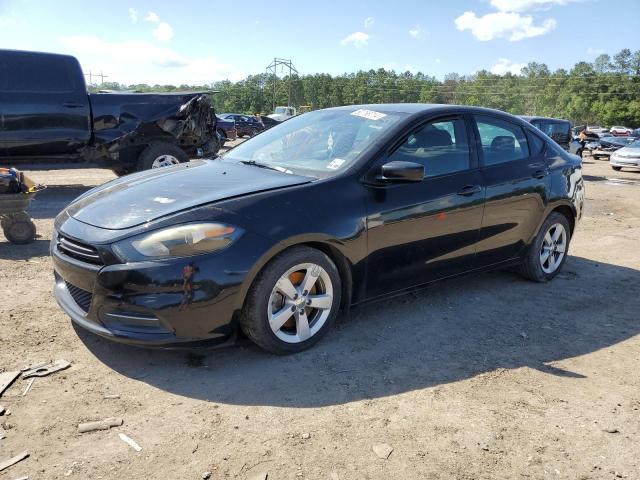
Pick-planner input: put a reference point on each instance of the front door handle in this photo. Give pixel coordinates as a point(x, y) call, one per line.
point(72, 105)
point(470, 190)
point(540, 173)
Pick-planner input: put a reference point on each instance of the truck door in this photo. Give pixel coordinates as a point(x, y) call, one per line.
point(45, 106)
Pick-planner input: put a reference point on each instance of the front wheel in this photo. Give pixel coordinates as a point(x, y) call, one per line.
point(617, 169)
point(161, 154)
point(549, 250)
point(293, 301)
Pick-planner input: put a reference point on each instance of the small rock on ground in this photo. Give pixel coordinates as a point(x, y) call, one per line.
point(383, 450)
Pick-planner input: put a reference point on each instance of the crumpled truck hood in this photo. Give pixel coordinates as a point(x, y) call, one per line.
point(136, 199)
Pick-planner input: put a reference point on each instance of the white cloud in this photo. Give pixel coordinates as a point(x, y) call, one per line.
point(132, 62)
point(368, 22)
point(152, 17)
point(503, 25)
point(594, 52)
point(163, 32)
point(357, 39)
point(416, 33)
point(438, 60)
point(505, 65)
point(133, 15)
point(527, 5)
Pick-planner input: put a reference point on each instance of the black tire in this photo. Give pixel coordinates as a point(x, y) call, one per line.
point(617, 169)
point(155, 150)
point(254, 319)
point(19, 229)
point(530, 267)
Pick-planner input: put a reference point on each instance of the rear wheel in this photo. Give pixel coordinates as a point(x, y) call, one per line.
point(549, 250)
point(161, 154)
point(293, 301)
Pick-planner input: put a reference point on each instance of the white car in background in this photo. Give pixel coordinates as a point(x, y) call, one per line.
point(619, 131)
point(626, 157)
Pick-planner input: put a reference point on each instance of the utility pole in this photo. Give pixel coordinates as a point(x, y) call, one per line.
point(91, 75)
point(272, 70)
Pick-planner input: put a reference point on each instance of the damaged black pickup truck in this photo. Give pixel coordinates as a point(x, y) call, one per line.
point(47, 115)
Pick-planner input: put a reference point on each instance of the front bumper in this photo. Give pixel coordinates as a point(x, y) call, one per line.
point(619, 161)
point(147, 303)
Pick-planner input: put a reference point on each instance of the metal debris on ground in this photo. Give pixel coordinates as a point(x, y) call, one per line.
point(7, 379)
point(46, 369)
point(13, 460)
point(111, 396)
point(382, 450)
point(26, 390)
point(105, 424)
point(128, 440)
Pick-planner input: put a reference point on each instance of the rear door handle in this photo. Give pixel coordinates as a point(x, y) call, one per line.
point(469, 190)
point(72, 105)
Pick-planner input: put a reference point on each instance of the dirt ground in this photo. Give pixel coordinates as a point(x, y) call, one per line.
point(486, 377)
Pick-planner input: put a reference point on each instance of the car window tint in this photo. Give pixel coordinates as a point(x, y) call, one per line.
point(38, 73)
point(537, 144)
point(441, 146)
point(502, 141)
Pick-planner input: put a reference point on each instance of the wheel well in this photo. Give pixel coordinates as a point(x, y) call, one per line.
point(343, 266)
point(568, 213)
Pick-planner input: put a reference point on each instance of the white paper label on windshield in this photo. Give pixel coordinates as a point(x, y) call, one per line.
point(369, 114)
point(335, 164)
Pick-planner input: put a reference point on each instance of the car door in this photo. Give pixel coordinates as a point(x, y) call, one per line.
point(517, 183)
point(420, 232)
point(45, 105)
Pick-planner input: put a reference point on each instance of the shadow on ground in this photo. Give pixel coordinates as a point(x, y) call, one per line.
point(50, 201)
point(450, 332)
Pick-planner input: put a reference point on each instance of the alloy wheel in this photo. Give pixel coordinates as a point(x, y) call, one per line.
point(300, 303)
point(554, 247)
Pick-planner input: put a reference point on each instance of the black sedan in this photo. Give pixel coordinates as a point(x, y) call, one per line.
point(328, 210)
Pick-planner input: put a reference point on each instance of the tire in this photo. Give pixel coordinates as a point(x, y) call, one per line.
point(153, 153)
point(266, 300)
point(19, 229)
point(617, 169)
point(532, 267)
point(221, 136)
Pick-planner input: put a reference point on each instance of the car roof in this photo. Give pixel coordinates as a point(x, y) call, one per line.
point(416, 108)
point(528, 118)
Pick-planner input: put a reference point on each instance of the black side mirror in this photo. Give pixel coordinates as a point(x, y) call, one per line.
point(401, 172)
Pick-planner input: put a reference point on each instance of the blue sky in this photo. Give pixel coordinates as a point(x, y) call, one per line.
point(198, 42)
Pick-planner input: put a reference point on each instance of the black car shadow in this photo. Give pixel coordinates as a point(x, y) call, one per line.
point(38, 248)
point(453, 331)
point(53, 199)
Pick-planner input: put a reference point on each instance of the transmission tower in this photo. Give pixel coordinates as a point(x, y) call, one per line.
point(272, 70)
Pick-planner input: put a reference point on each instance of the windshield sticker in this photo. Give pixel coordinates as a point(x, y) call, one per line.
point(369, 114)
point(335, 164)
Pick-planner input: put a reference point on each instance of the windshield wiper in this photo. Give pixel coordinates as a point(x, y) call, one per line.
point(253, 163)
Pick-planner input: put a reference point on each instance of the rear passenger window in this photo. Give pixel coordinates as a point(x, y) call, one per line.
point(502, 141)
point(38, 73)
point(441, 146)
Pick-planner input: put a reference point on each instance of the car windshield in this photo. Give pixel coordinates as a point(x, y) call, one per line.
point(280, 110)
point(319, 144)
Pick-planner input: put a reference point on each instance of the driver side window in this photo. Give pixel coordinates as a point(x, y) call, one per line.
point(441, 146)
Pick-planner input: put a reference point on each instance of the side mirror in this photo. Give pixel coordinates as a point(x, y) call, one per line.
point(401, 172)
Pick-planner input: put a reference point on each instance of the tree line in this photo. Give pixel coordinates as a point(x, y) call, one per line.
point(605, 91)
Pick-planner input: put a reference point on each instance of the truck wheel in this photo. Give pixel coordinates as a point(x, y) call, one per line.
point(159, 155)
point(19, 229)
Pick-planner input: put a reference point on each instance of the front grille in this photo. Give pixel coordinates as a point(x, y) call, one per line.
point(78, 250)
point(81, 297)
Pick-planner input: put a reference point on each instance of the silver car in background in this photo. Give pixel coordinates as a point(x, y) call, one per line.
point(626, 157)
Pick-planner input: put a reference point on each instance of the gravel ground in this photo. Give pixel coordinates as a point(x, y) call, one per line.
point(482, 377)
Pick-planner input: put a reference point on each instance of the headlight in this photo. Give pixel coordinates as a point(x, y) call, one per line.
point(178, 241)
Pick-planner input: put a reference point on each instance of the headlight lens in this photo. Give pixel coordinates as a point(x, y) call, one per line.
point(178, 241)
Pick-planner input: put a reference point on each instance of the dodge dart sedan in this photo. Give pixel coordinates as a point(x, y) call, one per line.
point(328, 210)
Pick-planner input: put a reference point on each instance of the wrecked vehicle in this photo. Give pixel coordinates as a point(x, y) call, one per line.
point(47, 114)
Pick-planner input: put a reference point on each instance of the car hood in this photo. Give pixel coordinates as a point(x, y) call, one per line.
point(146, 196)
point(628, 152)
